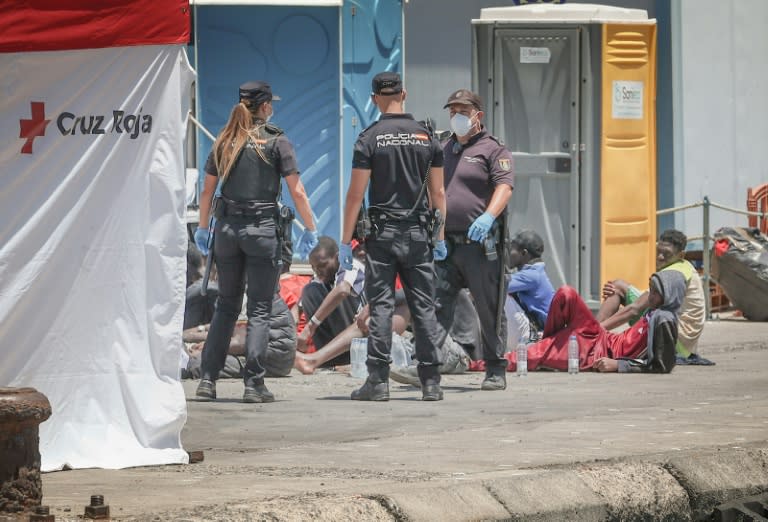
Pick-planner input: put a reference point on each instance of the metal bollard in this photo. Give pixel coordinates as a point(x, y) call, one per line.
point(97, 510)
point(42, 514)
point(21, 412)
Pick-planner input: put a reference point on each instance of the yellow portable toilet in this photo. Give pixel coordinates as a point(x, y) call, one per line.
point(571, 89)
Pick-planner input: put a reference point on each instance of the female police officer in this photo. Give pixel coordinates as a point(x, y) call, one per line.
point(248, 159)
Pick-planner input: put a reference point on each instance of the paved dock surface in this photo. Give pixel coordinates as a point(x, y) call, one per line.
point(589, 447)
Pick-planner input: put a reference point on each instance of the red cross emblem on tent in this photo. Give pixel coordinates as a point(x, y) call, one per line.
point(34, 127)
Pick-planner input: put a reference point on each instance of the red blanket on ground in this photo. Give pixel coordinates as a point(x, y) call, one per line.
point(569, 315)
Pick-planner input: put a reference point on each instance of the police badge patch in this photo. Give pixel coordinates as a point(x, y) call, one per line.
point(505, 164)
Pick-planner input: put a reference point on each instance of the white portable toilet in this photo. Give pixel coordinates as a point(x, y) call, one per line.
point(571, 89)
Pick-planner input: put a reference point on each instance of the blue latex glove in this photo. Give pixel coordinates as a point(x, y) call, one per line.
point(440, 252)
point(479, 229)
point(345, 256)
point(306, 243)
point(202, 235)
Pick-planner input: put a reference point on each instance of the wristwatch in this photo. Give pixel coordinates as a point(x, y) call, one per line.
point(314, 320)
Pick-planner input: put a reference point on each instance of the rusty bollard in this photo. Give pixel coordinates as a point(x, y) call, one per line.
point(97, 510)
point(42, 514)
point(21, 412)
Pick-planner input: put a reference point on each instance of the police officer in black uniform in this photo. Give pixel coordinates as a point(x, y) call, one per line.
point(244, 170)
point(404, 164)
point(478, 180)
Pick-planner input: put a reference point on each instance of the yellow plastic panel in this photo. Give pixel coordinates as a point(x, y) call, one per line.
point(628, 152)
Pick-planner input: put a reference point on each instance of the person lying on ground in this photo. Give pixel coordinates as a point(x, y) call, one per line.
point(647, 346)
point(529, 289)
point(277, 360)
point(454, 359)
point(623, 303)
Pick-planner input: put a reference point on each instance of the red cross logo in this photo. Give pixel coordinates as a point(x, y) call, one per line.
point(31, 129)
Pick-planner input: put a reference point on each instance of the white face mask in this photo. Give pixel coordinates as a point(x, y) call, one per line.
point(461, 124)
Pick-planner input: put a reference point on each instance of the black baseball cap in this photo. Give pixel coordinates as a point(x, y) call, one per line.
point(464, 97)
point(387, 83)
point(258, 92)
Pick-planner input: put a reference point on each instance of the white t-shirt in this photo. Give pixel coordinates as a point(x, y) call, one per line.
point(355, 277)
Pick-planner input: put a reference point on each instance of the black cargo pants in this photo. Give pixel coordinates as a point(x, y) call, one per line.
point(401, 247)
point(467, 267)
point(243, 249)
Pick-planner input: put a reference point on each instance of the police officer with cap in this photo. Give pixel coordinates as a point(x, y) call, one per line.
point(403, 163)
point(244, 170)
point(478, 181)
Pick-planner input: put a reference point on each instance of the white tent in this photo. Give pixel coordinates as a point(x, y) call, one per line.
point(92, 235)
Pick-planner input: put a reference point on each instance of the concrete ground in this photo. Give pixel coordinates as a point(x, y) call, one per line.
point(551, 446)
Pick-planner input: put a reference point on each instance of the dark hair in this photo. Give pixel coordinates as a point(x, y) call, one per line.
point(530, 241)
point(675, 238)
point(326, 245)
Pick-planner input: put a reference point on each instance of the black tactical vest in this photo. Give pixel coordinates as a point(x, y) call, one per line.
point(252, 178)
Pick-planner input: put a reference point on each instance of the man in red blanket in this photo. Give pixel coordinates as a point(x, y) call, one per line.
point(647, 346)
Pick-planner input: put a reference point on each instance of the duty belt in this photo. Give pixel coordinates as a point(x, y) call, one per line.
point(400, 216)
point(250, 209)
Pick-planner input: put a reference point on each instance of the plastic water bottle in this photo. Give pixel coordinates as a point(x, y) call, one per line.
point(399, 355)
point(522, 358)
point(573, 355)
point(358, 354)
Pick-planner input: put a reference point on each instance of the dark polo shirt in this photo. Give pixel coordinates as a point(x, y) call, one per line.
point(472, 173)
point(397, 149)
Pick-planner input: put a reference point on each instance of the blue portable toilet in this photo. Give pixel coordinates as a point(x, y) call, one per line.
point(319, 56)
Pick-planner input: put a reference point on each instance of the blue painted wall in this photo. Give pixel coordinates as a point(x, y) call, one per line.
point(373, 42)
point(297, 51)
point(320, 60)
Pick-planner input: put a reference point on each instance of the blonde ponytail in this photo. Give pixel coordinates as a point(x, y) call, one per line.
point(234, 136)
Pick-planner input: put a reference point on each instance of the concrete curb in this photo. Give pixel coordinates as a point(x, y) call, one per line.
point(679, 486)
point(683, 486)
point(718, 476)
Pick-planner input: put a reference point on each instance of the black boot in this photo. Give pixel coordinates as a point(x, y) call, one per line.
point(206, 390)
point(495, 379)
point(430, 383)
point(257, 393)
point(431, 392)
point(372, 391)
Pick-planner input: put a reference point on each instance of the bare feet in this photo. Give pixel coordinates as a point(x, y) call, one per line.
point(304, 365)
